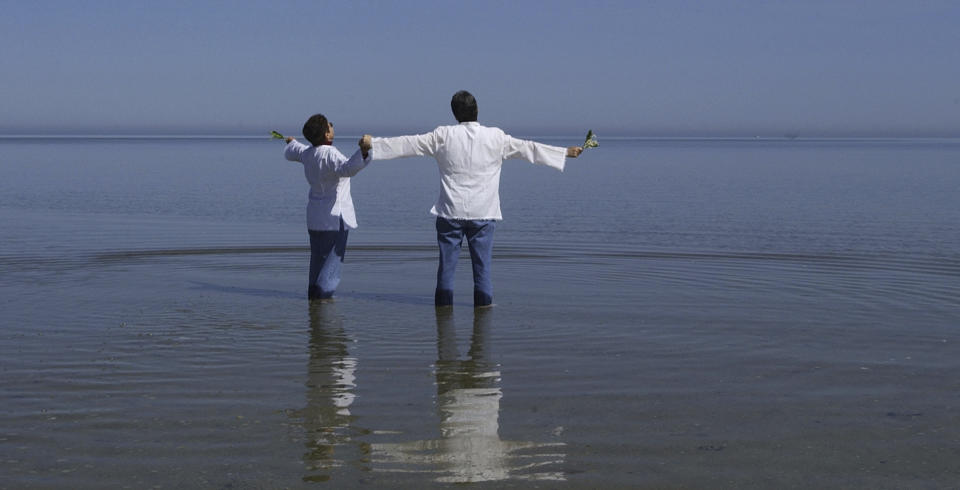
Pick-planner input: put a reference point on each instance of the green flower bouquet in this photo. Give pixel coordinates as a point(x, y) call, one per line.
point(591, 141)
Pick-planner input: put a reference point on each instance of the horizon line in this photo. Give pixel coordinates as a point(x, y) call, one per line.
point(639, 137)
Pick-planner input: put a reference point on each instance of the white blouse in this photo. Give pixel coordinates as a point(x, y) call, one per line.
point(469, 157)
point(328, 171)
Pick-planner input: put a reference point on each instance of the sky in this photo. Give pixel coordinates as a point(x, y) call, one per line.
point(629, 68)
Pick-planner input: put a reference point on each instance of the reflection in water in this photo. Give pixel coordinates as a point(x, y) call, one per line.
point(468, 399)
point(330, 384)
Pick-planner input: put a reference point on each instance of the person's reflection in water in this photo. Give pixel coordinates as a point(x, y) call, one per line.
point(468, 399)
point(330, 384)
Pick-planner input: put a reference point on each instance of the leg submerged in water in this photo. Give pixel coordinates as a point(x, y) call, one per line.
point(449, 239)
point(480, 241)
point(327, 250)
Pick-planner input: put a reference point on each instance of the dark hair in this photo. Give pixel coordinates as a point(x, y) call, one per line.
point(315, 129)
point(464, 106)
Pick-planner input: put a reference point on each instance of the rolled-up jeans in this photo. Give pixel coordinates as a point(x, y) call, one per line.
point(479, 234)
point(327, 248)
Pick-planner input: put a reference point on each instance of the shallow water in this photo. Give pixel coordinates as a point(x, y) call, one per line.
point(695, 314)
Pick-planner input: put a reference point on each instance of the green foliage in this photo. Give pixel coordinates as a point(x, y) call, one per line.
point(591, 141)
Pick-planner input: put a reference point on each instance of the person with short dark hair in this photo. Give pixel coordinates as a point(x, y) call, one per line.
point(469, 157)
point(330, 212)
point(464, 106)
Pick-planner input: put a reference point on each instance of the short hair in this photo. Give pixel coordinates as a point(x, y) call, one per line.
point(315, 129)
point(464, 106)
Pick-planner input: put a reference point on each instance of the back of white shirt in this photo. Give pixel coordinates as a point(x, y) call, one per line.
point(469, 157)
point(328, 172)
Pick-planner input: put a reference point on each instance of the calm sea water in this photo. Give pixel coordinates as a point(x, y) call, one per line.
point(670, 313)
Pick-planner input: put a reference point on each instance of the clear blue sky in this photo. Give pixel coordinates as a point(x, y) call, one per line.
point(536, 67)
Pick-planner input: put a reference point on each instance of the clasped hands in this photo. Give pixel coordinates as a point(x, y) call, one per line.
point(365, 144)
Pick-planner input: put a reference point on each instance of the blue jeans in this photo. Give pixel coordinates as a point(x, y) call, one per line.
point(479, 234)
point(327, 249)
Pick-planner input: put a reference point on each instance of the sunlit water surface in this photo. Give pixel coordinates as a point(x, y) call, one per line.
point(691, 313)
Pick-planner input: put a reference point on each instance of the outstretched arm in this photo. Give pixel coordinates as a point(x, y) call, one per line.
point(539, 153)
point(294, 149)
point(405, 146)
point(348, 167)
point(342, 166)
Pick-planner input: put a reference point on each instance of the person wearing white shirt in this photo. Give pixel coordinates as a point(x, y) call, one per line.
point(330, 212)
point(469, 156)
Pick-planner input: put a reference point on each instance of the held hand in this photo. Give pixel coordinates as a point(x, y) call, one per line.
point(365, 142)
point(574, 151)
point(365, 145)
point(290, 138)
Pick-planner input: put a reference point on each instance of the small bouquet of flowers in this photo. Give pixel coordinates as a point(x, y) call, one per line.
point(591, 141)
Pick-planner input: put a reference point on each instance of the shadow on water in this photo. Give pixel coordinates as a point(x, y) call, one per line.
point(262, 293)
point(125, 255)
point(399, 298)
point(940, 264)
point(401, 252)
point(867, 278)
point(468, 400)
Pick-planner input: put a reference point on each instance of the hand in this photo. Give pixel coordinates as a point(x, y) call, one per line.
point(574, 151)
point(290, 138)
point(366, 143)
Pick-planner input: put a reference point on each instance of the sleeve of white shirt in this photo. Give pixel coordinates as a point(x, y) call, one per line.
point(293, 150)
point(405, 146)
point(533, 152)
point(344, 167)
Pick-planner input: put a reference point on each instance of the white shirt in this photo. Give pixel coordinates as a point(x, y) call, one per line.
point(469, 157)
point(328, 173)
